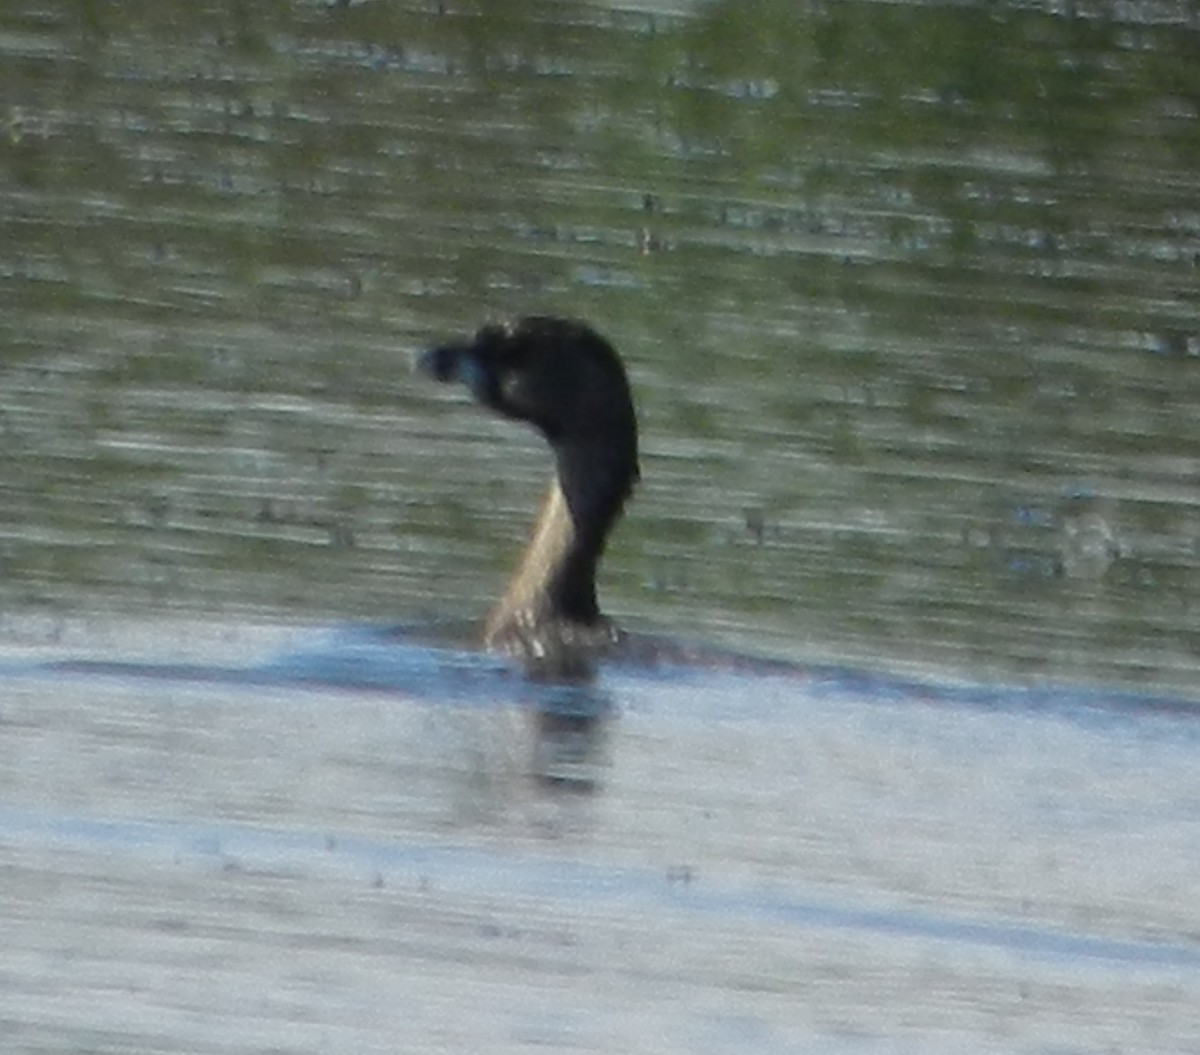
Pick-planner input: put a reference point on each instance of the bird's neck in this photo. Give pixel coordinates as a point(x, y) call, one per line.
point(555, 580)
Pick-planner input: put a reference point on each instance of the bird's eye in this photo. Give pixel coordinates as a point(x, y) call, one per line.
point(508, 383)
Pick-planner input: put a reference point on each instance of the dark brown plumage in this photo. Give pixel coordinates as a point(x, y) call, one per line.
point(568, 382)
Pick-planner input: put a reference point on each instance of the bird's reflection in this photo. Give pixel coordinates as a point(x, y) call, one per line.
point(571, 718)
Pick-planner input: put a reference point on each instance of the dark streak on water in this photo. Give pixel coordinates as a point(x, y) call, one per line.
point(385, 660)
point(584, 887)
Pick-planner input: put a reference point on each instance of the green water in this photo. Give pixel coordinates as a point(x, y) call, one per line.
point(910, 296)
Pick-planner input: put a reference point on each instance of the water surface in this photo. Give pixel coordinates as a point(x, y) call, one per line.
point(909, 297)
point(908, 292)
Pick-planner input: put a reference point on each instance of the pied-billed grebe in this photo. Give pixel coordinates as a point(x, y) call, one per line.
point(567, 381)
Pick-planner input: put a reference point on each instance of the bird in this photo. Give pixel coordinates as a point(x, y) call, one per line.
point(567, 381)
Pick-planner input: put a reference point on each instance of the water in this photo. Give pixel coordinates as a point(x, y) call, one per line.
point(913, 333)
point(908, 295)
point(762, 864)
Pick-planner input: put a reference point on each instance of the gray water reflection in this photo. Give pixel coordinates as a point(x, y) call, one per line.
point(909, 294)
point(771, 866)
